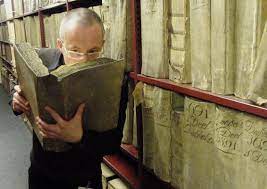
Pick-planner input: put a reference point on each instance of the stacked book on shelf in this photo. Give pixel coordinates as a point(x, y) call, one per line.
point(18, 8)
point(188, 142)
point(7, 79)
point(3, 12)
point(51, 26)
point(199, 43)
point(32, 30)
point(4, 36)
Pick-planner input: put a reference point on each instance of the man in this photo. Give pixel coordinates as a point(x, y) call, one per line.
point(81, 40)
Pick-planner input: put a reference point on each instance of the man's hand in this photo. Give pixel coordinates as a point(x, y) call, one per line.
point(19, 103)
point(67, 131)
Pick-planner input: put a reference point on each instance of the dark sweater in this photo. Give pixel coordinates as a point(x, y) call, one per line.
point(82, 162)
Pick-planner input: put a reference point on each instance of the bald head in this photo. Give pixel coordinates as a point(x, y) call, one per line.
point(81, 36)
point(79, 17)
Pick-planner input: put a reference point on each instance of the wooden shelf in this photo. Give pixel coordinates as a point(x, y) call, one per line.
point(127, 171)
point(8, 66)
point(86, 4)
point(26, 14)
point(5, 60)
point(124, 169)
point(130, 151)
point(54, 8)
point(6, 42)
point(9, 70)
point(57, 8)
point(227, 101)
point(3, 21)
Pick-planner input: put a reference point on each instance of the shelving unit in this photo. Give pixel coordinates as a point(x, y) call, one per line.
point(128, 164)
point(227, 101)
point(59, 7)
point(126, 169)
point(124, 164)
point(6, 42)
point(130, 151)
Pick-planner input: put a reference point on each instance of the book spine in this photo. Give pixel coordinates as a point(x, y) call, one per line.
point(49, 93)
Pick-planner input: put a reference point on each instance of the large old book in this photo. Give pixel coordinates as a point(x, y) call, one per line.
point(250, 20)
point(11, 31)
point(148, 126)
point(200, 19)
point(107, 175)
point(154, 27)
point(20, 35)
point(118, 31)
point(258, 86)
point(52, 25)
point(97, 83)
point(177, 149)
point(117, 13)
point(198, 144)
point(8, 7)
point(162, 133)
point(32, 29)
point(179, 36)
point(128, 125)
point(3, 12)
point(44, 3)
point(240, 151)
point(50, 34)
point(157, 129)
point(222, 46)
point(18, 8)
point(117, 184)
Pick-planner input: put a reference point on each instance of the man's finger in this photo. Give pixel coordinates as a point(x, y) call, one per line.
point(18, 109)
point(16, 106)
point(47, 127)
point(55, 115)
point(47, 133)
point(44, 135)
point(18, 102)
point(20, 106)
point(17, 89)
point(21, 99)
point(80, 110)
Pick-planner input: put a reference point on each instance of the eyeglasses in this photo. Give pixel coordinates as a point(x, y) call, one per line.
point(80, 56)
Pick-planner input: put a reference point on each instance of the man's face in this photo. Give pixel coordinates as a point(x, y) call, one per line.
point(81, 43)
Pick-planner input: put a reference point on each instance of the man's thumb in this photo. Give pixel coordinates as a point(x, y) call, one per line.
point(80, 110)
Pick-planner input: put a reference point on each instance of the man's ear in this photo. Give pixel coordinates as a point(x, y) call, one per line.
point(60, 45)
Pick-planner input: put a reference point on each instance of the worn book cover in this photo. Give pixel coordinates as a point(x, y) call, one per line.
point(200, 20)
point(250, 20)
point(223, 46)
point(258, 88)
point(154, 28)
point(96, 83)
